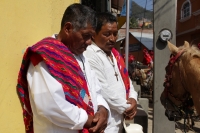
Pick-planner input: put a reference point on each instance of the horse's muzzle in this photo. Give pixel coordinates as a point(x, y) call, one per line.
point(172, 115)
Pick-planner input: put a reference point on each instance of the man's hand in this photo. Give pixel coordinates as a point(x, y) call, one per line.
point(100, 120)
point(132, 110)
point(89, 122)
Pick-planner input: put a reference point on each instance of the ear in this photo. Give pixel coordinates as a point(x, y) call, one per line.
point(93, 37)
point(186, 44)
point(172, 48)
point(68, 27)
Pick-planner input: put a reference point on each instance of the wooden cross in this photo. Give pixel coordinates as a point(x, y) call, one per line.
point(116, 76)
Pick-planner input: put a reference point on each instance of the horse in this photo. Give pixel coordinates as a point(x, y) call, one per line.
point(182, 92)
point(142, 75)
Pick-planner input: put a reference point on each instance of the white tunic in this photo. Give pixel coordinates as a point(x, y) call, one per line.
point(113, 90)
point(51, 112)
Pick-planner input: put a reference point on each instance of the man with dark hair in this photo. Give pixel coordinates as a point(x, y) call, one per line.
point(58, 91)
point(111, 72)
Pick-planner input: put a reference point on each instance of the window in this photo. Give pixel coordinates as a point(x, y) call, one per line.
point(185, 11)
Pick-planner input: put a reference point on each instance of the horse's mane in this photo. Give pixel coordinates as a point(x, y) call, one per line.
point(193, 50)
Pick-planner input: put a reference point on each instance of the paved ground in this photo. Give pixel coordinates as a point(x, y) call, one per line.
point(150, 117)
point(179, 126)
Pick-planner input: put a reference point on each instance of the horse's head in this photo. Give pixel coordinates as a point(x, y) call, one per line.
point(176, 96)
point(140, 73)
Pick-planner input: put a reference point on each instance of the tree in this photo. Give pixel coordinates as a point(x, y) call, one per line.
point(133, 22)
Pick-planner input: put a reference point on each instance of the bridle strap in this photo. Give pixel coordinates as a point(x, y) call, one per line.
point(168, 76)
point(181, 78)
point(184, 108)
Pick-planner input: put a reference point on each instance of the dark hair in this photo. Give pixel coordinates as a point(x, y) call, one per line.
point(79, 15)
point(103, 18)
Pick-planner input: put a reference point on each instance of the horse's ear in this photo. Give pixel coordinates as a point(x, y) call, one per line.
point(172, 48)
point(186, 44)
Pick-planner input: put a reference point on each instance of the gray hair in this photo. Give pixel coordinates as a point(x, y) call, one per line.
point(80, 16)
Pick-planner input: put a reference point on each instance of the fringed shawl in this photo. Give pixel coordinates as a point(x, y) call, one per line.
point(63, 66)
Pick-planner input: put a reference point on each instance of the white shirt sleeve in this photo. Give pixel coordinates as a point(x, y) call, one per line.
point(133, 93)
point(48, 99)
point(96, 87)
point(100, 99)
point(113, 98)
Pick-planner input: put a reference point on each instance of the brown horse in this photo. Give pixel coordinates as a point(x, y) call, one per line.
point(182, 83)
point(142, 74)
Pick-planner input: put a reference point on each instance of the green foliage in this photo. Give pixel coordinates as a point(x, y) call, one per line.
point(138, 13)
point(133, 22)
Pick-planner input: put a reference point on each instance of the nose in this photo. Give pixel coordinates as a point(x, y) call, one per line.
point(112, 38)
point(88, 41)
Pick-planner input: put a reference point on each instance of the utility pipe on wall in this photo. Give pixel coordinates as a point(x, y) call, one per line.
point(127, 34)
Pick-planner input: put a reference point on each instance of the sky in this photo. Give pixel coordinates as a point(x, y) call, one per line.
point(142, 3)
point(148, 4)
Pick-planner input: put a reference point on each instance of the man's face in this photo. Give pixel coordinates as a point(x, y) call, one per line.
point(79, 40)
point(107, 36)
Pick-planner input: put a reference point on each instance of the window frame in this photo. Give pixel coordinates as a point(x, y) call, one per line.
point(185, 17)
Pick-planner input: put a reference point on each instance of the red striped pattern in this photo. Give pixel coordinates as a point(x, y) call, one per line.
point(64, 68)
point(123, 71)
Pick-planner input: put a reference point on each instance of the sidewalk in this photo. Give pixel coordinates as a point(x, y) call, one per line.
point(150, 118)
point(180, 127)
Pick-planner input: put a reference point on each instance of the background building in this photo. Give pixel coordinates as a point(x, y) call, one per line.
point(138, 41)
point(188, 21)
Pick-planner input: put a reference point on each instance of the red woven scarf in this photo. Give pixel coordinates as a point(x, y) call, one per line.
point(123, 71)
point(63, 66)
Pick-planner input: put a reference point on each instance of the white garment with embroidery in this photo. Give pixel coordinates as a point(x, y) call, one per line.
point(113, 90)
point(51, 112)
